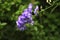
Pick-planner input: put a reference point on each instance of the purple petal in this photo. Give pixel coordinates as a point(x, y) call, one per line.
point(19, 18)
point(18, 23)
point(22, 28)
point(36, 9)
point(30, 6)
point(27, 15)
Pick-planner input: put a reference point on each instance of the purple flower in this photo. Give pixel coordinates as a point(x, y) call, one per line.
point(26, 17)
point(36, 9)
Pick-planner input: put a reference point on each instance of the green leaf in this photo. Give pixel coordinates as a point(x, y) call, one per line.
point(2, 25)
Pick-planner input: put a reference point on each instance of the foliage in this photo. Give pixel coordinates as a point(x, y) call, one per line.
point(47, 28)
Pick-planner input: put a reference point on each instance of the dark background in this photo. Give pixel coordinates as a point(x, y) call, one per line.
point(46, 25)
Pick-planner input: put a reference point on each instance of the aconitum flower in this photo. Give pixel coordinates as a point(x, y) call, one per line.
point(36, 9)
point(26, 17)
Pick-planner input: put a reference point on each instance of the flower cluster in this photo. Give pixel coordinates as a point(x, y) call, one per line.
point(26, 17)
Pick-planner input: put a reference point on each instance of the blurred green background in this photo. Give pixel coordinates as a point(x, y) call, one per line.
point(47, 28)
